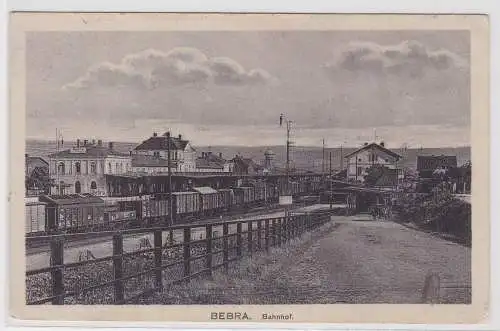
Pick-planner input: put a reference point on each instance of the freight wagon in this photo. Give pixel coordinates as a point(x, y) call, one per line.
point(245, 196)
point(73, 212)
point(35, 216)
point(227, 199)
point(210, 201)
point(185, 205)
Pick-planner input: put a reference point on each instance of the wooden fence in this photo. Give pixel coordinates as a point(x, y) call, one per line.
point(127, 276)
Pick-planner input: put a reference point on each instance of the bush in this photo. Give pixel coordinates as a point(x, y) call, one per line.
point(438, 211)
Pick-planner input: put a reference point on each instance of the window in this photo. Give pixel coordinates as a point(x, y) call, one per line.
point(93, 186)
point(121, 167)
point(78, 168)
point(93, 168)
point(117, 168)
point(109, 168)
point(78, 187)
point(360, 171)
point(60, 168)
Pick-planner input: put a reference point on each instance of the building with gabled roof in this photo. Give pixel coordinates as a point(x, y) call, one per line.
point(210, 162)
point(362, 159)
point(182, 154)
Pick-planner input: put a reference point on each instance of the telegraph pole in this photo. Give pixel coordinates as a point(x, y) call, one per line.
point(323, 163)
point(331, 183)
point(169, 180)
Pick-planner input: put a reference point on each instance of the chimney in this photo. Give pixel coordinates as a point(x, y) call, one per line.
point(155, 134)
point(99, 143)
point(180, 136)
point(110, 144)
point(78, 143)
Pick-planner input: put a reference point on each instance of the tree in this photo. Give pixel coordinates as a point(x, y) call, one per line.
point(374, 173)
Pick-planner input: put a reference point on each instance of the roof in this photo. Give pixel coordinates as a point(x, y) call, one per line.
point(70, 199)
point(151, 161)
point(204, 190)
point(160, 143)
point(377, 146)
point(210, 161)
point(432, 162)
point(90, 152)
point(31, 159)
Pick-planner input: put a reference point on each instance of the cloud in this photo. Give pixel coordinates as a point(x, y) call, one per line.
point(151, 69)
point(409, 57)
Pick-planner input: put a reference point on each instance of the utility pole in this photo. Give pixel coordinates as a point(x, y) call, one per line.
point(323, 163)
point(169, 180)
point(331, 183)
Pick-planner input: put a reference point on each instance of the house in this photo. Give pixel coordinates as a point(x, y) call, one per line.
point(182, 154)
point(428, 165)
point(245, 166)
point(359, 161)
point(210, 162)
point(82, 169)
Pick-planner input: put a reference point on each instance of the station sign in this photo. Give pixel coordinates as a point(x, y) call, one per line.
point(285, 200)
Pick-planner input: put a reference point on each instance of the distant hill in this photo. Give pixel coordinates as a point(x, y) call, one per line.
point(302, 157)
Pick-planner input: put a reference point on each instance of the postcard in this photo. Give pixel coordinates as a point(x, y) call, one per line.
point(249, 168)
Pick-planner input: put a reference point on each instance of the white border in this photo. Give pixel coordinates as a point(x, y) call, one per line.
point(309, 6)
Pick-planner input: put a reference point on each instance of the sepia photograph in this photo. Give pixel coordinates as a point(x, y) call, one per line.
point(202, 166)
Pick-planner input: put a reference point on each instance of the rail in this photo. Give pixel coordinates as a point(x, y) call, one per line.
point(175, 256)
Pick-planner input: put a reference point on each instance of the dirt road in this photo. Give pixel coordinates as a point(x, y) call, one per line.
point(379, 262)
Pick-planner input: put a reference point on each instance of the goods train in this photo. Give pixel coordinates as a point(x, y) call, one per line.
point(85, 212)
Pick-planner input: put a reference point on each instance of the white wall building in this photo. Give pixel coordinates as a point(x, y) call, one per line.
point(359, 161)
point(82, 169)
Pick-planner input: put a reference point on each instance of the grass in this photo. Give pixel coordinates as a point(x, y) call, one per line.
point(254, 279)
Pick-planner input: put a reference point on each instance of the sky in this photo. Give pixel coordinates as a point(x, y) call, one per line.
point(229, 88)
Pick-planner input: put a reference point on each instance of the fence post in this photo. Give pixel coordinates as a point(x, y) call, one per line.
point(225, 233)
point(118, 267)
point(238, 239)
point(266, 234)
point(57, 260)
point(250, 236)
point(209, 249)
point(259, 234)
point(158, 255)
point(187, 252)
